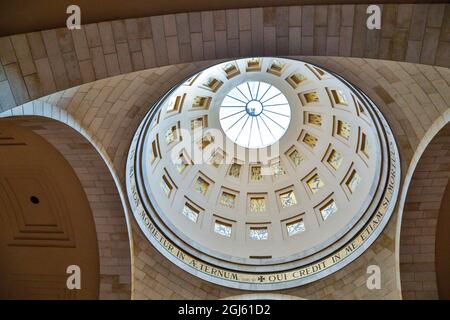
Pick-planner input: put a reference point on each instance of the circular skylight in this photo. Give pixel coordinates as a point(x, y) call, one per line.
point(255, 114)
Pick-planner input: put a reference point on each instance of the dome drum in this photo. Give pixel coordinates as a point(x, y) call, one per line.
point(316, 200)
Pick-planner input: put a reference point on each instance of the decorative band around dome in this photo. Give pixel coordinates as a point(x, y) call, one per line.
point(293, 201)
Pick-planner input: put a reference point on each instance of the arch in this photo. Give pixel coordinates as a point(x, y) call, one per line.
point(44, 62)
point(98, 183)
point(54, 15)
point(421, 248)
point(46, 224)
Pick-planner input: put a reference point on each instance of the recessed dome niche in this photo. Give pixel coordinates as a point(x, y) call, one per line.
point(263, 173)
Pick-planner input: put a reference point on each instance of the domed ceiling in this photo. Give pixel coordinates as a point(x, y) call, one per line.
point(263, 173)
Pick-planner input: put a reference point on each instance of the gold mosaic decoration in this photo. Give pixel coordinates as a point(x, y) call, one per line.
point(296, 79)
point(278, 170)
point(181, 164)
point(315, 119)
point(201, 102)
point(296, 157)
point(343, 129)
point(339, 97)
point(255, 173)
point(257, 204)
point(222, 228)
point(259, 233)
point(311, 97)
point(276, 67)
point(353, 181)
point(287, 199)
point(235, 170)
point(231, 70)
point(295, 227)
point(217, 159)
point(171, 135)
point(190, 212)
point(328, 209)
point(205, 141)
point(227, 199)
point(197, 123)
point(310, 140)
point(335, 159)
point(254, 64)
point(315, 183)
point(212, 84)
point(175, 104)
point(201, 186)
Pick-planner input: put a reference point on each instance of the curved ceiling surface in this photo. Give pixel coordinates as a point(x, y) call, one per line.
point(260, 165)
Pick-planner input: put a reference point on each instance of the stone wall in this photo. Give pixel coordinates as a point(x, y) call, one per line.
point(40, 63)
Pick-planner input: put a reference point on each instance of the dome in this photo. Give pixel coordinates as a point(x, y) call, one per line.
point(262, 173)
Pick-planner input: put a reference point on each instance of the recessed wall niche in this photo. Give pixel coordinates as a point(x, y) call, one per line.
point(228, 198)
point(293, 226)
point(231, 70)
point(257, 202)
point(296, 79)
point(253, 65)
point(175, 104)
point(191, 211)
point(276, 67)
